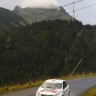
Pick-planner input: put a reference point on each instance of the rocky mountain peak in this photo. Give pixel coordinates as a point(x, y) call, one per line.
point(17, 8)
point(32, 15)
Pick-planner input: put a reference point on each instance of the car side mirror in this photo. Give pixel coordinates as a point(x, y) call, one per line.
point(64, 85)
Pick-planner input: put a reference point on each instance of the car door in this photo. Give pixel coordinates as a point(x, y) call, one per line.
point(66, 88)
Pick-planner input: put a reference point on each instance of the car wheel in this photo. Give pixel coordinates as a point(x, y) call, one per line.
point(69, 93)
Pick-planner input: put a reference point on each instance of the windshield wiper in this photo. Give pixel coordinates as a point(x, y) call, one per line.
point(50, 87)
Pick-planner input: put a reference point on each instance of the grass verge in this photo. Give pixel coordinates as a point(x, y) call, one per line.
point(30, 84)
point(90, 92)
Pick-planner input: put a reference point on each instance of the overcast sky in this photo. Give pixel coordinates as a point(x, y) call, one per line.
point(87, 16)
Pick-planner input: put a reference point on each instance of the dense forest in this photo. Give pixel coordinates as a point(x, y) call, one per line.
point(46, 49)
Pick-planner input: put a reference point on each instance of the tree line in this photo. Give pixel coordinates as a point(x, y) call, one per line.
point(46, 49)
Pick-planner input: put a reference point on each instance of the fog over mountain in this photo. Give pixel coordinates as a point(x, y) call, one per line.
point(39, 3)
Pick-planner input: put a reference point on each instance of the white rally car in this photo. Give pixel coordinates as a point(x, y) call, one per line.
point(54, 87)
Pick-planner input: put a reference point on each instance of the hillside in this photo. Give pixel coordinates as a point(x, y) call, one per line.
point(84, 47)
point(37, 51)
point(9, 19)
point(32, 15)
point(23, 16)
point(43, 49)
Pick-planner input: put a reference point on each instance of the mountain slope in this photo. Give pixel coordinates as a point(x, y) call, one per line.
point(32, 15)
point(9, 19)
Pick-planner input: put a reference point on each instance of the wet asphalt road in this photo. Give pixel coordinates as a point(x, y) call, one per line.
point(77, 87)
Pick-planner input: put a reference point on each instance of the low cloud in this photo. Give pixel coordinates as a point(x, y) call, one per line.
point(39, 3)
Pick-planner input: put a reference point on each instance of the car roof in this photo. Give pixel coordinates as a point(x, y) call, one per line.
point(54, 80)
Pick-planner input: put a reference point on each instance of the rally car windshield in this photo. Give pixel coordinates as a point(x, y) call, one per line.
point(52, 85)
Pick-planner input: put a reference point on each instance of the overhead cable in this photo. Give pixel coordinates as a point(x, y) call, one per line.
point(83, 8)
point(76, 10)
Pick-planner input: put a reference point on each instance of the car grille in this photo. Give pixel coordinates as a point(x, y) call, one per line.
point(46, 95)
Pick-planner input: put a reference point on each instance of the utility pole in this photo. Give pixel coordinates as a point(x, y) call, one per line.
point(36, 18)
point(75, 68)
point(8, 45)
point(74, 9)
point(65, 62)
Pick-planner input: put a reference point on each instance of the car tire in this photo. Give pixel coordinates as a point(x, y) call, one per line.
point(69, 93)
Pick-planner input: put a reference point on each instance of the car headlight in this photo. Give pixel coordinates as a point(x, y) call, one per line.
point(38, 94)
point(59, 94)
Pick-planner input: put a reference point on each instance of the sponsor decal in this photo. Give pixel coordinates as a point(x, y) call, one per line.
point(54, 91)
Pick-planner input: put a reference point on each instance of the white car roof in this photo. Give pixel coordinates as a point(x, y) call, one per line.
point(54, 80)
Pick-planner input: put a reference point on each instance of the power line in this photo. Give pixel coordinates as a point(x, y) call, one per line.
point(83, 8)
point(72, 3)
point(76, 10)
point(62, 6)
